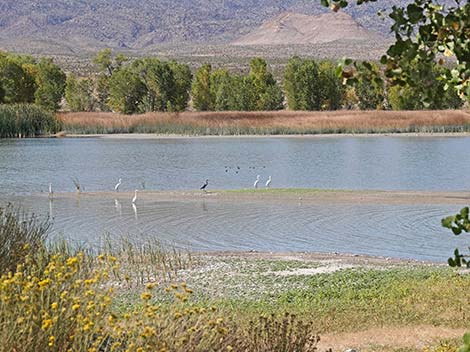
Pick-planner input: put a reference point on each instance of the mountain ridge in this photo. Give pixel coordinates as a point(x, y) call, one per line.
point(89, 25)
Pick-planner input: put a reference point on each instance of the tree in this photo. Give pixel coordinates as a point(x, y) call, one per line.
point(369, 90)
point(107, 65)
point(126, 91)
point(302, 85)
point(50, 80)
point(183, 79)
point(423, 32)
point(267, 94)
point(430, 86)
point(203, 99)
point(17, 83)
point(331, 87)
point(79, 94)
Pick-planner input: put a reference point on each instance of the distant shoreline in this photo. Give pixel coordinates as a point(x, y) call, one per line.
point(296, 195)
point(248, 136)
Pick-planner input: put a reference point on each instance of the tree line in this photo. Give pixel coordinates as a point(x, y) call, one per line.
point(149, 84)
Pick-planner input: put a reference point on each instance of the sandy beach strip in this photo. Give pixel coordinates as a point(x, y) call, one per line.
point(310, 196)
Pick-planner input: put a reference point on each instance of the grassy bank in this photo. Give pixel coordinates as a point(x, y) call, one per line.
point(25, 120)
point(269, 123)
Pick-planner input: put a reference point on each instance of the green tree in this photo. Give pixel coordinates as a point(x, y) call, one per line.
point(203, 99)
point(50, 80)
point(183, 79)
point(79, 94)
point(302, 85)
point(331, 87)
point(266, 92)
point(430, 86)
point(423, 31)
point(107, 65)
point(370, 91)
point(126, 91)
point(17, 83)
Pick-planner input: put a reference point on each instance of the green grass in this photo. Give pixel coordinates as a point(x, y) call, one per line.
point(23, 120)
point(348, 300)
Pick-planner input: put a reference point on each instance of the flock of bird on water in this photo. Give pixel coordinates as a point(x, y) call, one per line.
point(134, 199)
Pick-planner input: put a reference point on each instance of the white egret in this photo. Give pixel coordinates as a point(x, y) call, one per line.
point(268, 182)
point(51, 192)
point(203, 187)
point(135, 197)
point(116, 188)
point(255, 185)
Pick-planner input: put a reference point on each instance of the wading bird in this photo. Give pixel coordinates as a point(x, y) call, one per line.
point(135, 197)
point(268, 182)
point(255, 185)
point(77, 185)
point(116, 188)
point(203, 187)
point(51, 192)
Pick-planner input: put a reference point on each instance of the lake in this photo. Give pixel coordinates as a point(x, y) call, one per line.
point(382, 163)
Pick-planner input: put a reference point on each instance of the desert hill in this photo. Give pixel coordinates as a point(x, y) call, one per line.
point(295, 28)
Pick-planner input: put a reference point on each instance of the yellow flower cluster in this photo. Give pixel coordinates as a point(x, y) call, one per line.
point(65, 303)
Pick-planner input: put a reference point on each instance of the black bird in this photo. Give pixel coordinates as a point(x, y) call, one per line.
point(203, 187)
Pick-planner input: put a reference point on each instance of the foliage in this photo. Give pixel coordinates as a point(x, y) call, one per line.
point(369, 89)
point(413, 97)
point(458, 223)
point(79, 94)
point(332, 90)
point(266, 93)
point(301, 85)
point(17, 83)
point(50, 80)
point(201, 93)
point(126, 91)
point(23, 120)
point(312, 86)
point(424, 32)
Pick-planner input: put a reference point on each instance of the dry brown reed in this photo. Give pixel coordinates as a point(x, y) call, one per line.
point(280, 122)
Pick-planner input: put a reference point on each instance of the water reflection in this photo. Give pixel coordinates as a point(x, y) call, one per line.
point(404, 231)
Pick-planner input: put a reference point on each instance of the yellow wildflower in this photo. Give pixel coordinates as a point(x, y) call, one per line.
point(46, 324)
point(146, 296)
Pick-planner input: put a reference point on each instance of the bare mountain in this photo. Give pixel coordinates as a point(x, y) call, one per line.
point(76, 26)
point(295, 28)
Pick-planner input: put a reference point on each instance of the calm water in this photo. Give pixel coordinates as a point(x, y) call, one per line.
point(386, 163)
point(27, 166)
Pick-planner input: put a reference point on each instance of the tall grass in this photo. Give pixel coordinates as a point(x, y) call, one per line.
point(23, 120)
point(20, 235)
point(269, 123)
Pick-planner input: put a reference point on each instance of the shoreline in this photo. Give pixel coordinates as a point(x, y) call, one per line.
point(306, 196)
point(252, 136)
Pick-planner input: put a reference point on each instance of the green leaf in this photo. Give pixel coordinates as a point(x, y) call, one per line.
point(466, 338)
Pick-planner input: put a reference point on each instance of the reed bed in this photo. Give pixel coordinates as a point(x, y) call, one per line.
point(269, 123)
point(26, 120)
